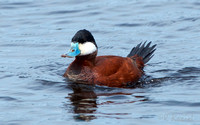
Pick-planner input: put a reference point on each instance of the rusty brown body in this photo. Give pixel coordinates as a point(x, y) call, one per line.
point(112, 71)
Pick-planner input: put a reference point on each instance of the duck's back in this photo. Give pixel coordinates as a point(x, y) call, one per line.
point(115, 71)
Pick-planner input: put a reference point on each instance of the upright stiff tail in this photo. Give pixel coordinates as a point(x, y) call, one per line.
point(144, 51)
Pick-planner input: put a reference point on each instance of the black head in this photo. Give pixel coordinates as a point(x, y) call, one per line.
point(83, 36)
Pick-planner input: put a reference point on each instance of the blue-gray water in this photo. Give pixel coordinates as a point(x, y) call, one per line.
point(33, 35)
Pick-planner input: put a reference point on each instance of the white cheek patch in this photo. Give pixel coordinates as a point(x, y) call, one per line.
point(87, 48)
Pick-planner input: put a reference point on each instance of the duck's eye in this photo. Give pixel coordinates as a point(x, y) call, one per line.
point(72, 50)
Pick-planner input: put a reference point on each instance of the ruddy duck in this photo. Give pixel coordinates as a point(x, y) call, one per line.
point(112, 71)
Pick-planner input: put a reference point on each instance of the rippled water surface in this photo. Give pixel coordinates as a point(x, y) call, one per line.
point(33, 35)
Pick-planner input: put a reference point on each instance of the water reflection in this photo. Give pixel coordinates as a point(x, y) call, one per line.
point(83, 99)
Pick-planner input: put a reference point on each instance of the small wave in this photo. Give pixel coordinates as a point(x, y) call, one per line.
point(176, 103)
point(21, 3)
point(189, 70)
point(184, 74)
point(129, 24)
point(8, 98)
point(63, 12)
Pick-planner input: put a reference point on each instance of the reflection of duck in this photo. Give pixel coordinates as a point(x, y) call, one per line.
point(113, 71)
point(83, 99)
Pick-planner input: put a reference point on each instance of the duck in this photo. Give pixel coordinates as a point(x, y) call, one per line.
point(108, 70)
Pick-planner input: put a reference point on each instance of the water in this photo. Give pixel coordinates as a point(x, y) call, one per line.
point(35, 33)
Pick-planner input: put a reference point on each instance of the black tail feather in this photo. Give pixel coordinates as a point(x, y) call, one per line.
point(144, 51)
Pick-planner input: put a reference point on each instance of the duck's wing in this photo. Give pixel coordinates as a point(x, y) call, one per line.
point(115, 71)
